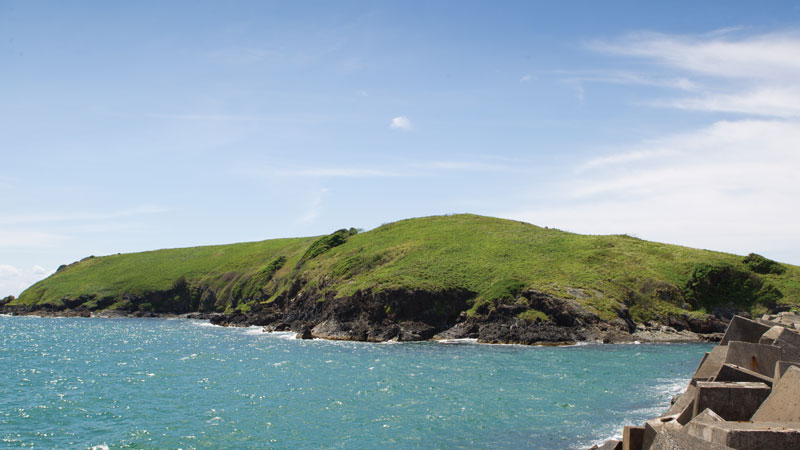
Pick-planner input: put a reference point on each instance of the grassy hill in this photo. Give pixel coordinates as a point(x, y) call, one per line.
point(494, 259)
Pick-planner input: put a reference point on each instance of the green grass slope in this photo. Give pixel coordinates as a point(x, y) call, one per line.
point(493, 258)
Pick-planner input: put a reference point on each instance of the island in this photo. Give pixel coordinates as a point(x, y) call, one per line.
point(441, 277)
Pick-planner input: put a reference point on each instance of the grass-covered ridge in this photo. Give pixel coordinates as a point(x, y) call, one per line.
point(493, 258)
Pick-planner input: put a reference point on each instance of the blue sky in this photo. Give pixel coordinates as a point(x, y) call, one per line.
point(128, 126)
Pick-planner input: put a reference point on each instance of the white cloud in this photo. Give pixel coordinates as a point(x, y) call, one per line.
point(731, 186)
point(628, 78)
point(768, 56)
point(527, 78)
point(7, 270)
point(242, 55)
point(622, 158)
point(400, 123)
point(14, 280)
point(411, 169)
point(315, 206)
point(775, 101)
point(752, 75)
point(80, 216)
point(29, 239)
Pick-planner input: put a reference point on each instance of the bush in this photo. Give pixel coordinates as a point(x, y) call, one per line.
point(760, 264)
point(719, 284)
point(328, 242)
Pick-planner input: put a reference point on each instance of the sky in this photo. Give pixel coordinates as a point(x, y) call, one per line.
point(131, 126)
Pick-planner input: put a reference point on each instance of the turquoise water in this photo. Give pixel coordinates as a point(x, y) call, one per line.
point(153, 383)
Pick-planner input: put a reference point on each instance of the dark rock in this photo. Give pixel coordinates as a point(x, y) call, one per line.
point(706, 325)
point(415, 331)
point(305, 334)
point(461, 330)
point(522, 332)
point(563, 312)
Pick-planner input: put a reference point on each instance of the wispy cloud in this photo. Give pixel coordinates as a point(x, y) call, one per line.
point(80, 216)
point(728, 185)
point(242, 55)
point(778, 101)
point(755, 75)
point(396, 170)
point(627, 157)
point(626, 78)
point(315, 206)
point(768, 56)
point(29, 239)
point(527, 78)
point(401, 123)
point(14, 280)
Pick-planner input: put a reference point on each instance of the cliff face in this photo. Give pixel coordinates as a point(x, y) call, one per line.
point(444, 277)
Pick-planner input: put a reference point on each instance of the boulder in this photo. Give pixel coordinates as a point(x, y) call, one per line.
point(744, 330)
point(305, 334)
point(415, 331)
point(731, 400)
point(783, 403)
point(756, 357)
point(331, 329)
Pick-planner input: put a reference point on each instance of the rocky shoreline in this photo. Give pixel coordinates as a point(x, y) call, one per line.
point(570, 324)
point(744, 395)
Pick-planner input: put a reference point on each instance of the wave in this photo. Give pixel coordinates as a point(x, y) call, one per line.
point(287, 335)
point(462, 341)
point(256, 330)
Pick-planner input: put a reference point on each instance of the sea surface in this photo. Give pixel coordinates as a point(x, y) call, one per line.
point(154, 383)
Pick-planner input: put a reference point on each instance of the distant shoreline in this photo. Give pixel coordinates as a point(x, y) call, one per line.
point(657, 334)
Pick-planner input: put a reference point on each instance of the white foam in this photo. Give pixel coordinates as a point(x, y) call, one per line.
point(458, 341)
point(202, 323)
point(254, 330)
point(287, 335)
point(100, 447)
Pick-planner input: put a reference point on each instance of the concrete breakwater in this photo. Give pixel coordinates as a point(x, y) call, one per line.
point(744, 395)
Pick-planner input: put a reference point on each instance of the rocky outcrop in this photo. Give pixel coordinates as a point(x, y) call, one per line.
point(364, 316)
point(533, 317)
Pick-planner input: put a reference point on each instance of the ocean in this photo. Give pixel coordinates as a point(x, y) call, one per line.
point(183, 384)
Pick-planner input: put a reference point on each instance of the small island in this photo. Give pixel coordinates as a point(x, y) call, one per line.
point(441, 277)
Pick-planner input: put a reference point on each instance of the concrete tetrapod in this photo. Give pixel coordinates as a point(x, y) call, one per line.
point(744, 330)
point(788, 340)
point(783, 403)
point(756, 357)
point(733, 400)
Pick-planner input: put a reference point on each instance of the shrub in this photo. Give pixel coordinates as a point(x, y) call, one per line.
point(717, 284)
point(760, 264)
point(328, 242)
